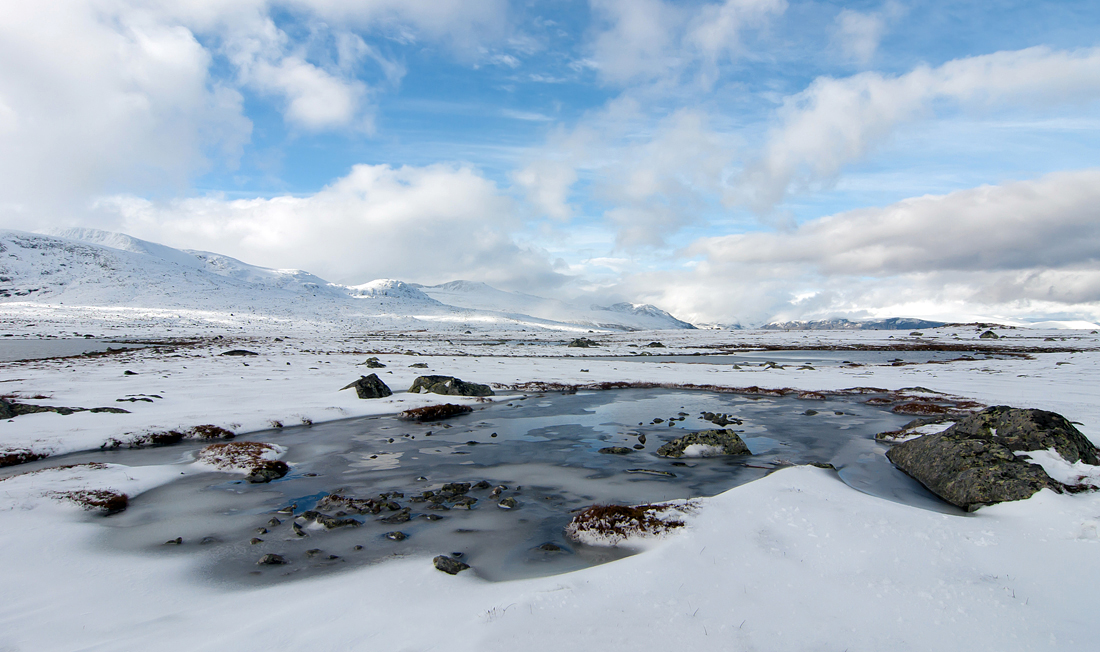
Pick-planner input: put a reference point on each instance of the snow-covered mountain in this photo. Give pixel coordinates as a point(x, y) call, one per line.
point(893, 323)
point(88, 267)
point(471, 294)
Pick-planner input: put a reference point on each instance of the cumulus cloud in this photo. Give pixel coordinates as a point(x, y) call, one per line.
point(135, 95)
point(837, 121)
point(1018, 249)
point(96, 101)
point(426, 224)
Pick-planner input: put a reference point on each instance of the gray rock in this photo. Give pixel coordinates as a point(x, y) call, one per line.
point(727, 440)
point(616, 450)
point(449, 565)
point(369, 387)
point(989, 335)
point(582, 343)
point(396, 536)
point(372, 363)
point(448, 386)
point(271, 559)
point(973, 463)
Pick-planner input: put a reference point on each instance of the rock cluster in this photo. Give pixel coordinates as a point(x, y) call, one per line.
point(709, 442)
point(974, 462)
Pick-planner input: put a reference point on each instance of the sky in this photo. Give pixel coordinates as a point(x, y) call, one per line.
point(731, 161)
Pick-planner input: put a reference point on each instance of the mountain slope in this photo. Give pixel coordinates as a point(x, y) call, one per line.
point(86, 267)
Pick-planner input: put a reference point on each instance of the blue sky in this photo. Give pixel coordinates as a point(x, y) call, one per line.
point(599, 150)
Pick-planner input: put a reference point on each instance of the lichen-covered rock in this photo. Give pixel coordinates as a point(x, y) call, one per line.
point(372, 363)
point(973, 463)
point(705, 443)
point(448, 386)
point(369, 387)
point(616, 450)
point(582, 343)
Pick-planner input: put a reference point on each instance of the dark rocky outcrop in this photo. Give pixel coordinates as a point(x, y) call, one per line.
point(582, 343)
point(727, 440)
point(267, 471)
point(973, 463)
point(369, 387)
point(449, 565)
point(12, 409)
point(616, 450)
point(240, 352)
point(448, 386)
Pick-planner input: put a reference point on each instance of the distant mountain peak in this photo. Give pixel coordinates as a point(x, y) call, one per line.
point(390, 288)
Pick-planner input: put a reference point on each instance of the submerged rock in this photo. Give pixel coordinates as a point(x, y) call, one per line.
point(448, 386)
point(449, 565)
point(617, 450)
point(974, 462)
point(704, 444)
point(369, 387)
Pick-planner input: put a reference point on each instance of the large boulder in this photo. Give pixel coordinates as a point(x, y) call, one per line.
point(974, 462)
point(705, 443)
point(369, 387)
point(448, 386)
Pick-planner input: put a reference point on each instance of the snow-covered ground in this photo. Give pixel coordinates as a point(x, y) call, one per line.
point(796, 561)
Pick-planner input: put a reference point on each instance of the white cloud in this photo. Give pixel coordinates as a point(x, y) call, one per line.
point(644, 40)
point(858, 34)
point(427, 224)
point(102, 97)
point(99, 100)
point(1016, 250)
point(837, 121)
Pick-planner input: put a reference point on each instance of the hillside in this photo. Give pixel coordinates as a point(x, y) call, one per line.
point(99, 269)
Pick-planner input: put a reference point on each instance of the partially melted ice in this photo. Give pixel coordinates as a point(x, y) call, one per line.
point(543, 448)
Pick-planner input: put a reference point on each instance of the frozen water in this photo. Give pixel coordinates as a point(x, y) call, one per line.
point(543, 448)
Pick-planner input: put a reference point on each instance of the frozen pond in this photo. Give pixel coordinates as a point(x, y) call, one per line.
point(16, 349)
point(542, 447)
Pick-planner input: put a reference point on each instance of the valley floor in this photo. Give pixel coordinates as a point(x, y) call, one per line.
point(795, 561)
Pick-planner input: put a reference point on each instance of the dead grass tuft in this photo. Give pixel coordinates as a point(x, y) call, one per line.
point(615, 523)
point(210, 431)
point(435, 412)
point(238, 455)
point(104, 500)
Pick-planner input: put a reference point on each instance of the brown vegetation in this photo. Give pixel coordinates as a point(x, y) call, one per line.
point(13, 456)
point(618, 522)
point(104, 500)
